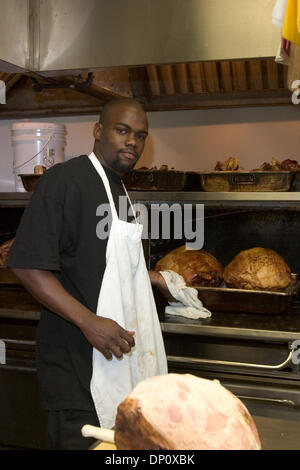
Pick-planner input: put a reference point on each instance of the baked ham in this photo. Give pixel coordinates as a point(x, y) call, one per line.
point(197, 267)
point(5, 250)
point(184, 412)
point(258, 269)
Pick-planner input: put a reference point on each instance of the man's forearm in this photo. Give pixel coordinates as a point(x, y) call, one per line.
point(158, 281)
point(103, 333)
point(48, 291)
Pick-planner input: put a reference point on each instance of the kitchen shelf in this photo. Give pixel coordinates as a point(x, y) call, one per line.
point(273, 328)
point(14, 199)
point(267, 199)
point(280, 200)
point(220, 196)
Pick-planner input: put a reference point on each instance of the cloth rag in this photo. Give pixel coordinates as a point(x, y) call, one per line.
point(278, 13)
point(188, 305)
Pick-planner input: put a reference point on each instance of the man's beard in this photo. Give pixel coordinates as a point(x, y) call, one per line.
point(124, 167)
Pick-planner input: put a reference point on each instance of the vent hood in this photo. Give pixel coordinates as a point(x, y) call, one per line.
point(54, 36)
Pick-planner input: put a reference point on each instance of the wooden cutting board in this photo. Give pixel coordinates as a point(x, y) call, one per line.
point(105, 446)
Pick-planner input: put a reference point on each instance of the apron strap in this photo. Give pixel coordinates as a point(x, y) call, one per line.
point(96, 163)
point(133, 211)
point(99, 168)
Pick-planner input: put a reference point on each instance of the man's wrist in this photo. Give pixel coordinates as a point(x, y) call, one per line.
point(155, 277)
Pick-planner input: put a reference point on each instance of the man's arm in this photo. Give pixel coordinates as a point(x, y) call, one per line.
point(158, 281)
point(102, 333)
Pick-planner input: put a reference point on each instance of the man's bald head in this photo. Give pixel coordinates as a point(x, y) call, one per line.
point(116, 103)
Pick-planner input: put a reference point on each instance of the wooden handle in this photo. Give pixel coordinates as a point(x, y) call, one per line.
point(102, 434)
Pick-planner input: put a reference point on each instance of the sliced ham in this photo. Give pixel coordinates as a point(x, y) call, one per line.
point(184, 412)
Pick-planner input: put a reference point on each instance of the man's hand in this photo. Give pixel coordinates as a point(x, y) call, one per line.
point(108, 336)
point(158, 281)
point(102, 333)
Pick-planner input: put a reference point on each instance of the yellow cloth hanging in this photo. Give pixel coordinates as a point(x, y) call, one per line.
point(298, 16)
point(290, 31)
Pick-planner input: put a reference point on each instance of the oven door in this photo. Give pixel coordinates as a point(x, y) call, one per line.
point(261, 374)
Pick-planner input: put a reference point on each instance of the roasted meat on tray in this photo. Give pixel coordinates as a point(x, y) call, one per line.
point(258, 269)
point(5, 250)
point(231, 164)
point(197, 267)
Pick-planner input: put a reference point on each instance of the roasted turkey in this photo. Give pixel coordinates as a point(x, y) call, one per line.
point(197, 267)
point(258, 269)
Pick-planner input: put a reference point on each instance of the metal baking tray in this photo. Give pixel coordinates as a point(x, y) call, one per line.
point(13, 297)
point(155, 180)
point(7, 276)
point(246, 181)
point(225, 299)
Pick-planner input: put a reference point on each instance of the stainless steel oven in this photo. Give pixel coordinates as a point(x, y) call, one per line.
point(253, 355)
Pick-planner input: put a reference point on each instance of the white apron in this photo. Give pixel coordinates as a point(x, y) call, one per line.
point(125, 296)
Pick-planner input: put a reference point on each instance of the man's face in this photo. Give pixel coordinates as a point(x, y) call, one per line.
point(120, 140)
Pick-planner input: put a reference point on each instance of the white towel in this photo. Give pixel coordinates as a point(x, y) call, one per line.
point(188, 304)
point(278, 13)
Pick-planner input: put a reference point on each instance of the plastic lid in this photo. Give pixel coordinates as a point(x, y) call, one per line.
point(17, 126)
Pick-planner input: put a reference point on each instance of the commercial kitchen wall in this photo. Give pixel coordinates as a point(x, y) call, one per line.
point(188, 140)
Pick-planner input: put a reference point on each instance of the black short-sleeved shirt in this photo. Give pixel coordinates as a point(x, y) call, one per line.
point(58, 232)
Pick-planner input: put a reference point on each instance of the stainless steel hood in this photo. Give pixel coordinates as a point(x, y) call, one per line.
point(70, 35)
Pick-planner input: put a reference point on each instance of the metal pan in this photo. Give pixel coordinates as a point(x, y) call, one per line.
point(155, 180)
point(7, 276)
point(225, 299)
point(247, 181)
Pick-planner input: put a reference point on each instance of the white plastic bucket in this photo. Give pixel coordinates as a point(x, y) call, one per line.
point(36, 143)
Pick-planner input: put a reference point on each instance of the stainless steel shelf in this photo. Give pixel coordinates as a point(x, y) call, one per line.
point(209, 196)
point(229, 199)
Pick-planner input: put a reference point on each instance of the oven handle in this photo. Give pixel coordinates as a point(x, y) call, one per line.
point(270, 400)
point(195, 360)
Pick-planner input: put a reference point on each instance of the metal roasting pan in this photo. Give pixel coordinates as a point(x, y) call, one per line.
point(247, 181)
point(155, 180)
point(225, 299)
point(7, 276)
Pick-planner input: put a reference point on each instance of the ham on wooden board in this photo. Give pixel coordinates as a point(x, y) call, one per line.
point(184, 412)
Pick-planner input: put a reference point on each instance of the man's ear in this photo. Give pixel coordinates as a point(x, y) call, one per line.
point(98, 128)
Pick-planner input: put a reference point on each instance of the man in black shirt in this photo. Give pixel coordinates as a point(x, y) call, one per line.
point(61, 261)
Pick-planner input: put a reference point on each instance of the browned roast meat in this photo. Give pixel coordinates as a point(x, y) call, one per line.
point(197, 267)
point(184, 412)
point(231, 164)
point(5, 250)
point(258, 269)
point(290, 165)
